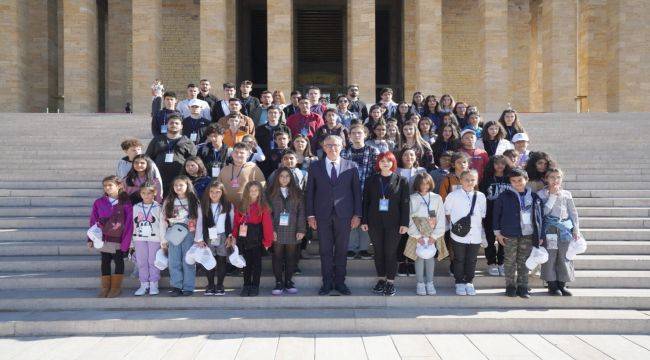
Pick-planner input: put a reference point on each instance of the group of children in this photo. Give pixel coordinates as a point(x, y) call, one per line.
point(430, 190)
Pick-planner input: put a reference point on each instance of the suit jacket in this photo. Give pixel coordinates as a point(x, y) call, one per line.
point(217, 111)
point(398, 195)
point(342, 197)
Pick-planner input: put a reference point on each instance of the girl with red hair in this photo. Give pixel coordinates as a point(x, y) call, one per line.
point(386, 217)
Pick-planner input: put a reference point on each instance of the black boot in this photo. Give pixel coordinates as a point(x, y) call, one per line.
point(511, 291)
point(553, 289)
point(563, 290)
point(522, 292)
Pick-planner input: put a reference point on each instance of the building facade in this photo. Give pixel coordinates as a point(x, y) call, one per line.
point(536, 55)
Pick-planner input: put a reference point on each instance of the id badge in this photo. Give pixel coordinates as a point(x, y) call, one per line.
point(284, 219)
point(145, 231)
point(215, 171)
point(191, 225)
point(163, 129)
point(526, 217)
point(551, 241)
point(383, 205)
point(304, 131)
point(243, 230)
point(234, 183)
point(193, 136)
point(213, 233)
point(169, 157)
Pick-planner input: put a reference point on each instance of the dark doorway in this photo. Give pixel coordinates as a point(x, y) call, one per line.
point(319, 46)
point(252, 44)
point(388, 47)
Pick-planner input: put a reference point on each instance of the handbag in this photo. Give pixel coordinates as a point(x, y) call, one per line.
point(463, 225)
point(177, 233)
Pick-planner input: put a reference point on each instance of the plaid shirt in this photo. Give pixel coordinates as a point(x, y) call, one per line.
point(365, 159)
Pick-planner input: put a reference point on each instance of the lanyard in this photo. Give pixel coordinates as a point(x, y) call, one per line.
point(147, 213)
point(170, 145)
point(215, 215)
point(232, 175)
point(385, 187)
point(426, 202)
point(522, 201)
point(113, 201)
point(285, 200)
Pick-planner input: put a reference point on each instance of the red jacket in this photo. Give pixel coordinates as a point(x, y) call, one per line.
point(254, 216)
point(311, 123)
point(478, 160)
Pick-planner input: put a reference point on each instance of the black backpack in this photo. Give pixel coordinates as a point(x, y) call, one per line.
point(463, 225)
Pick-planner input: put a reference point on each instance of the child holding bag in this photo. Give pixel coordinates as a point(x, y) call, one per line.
point(252, 229)
point(147, 235)
point(217, 225)
point(426, 228)
point(183, 225)
point(112, 213)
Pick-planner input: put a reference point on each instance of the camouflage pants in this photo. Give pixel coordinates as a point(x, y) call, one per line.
point(517, 250)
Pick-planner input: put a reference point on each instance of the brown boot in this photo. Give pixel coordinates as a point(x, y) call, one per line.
point(116, 286)
point(106, 286)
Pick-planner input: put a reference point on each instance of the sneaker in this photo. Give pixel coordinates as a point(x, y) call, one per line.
point(351, 255)
point(297, 271)
point(187, 293)
point(290, 288)
point(365, 255)
point(254, 291)
point(469, 289)
point(220, 291)
point(493, 270)
point(511, 291)
point(460, 290)
point(420, 289)
point(153, 288)
point(379, 287)
point(176, 292)
point(209, 291)
point(279, 288)
point(389, 289)
point(142, 290)
point(245, 290)
point(502, 270)
point(522, 292)
point(431, 290)
point(401, 269)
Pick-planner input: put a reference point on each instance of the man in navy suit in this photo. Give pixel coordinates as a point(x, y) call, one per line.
point(333, 208)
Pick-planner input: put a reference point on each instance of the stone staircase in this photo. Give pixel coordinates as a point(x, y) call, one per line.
point(51, 171)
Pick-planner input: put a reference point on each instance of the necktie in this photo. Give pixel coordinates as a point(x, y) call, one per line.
point(333, 172)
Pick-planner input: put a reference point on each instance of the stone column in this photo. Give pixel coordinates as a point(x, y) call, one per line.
point(493, 43)
point(559, 44)
point(279, 15)
point(12, 59)
point(215, 52)
point(592, 55)
point(422, 43)
point(628, 84)
point(80, 55)
point(146, 38)
point(118, 55)
point(360, 52)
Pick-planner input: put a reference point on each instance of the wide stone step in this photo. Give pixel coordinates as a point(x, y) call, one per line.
point(49, 185)
point(614, 223)
point(611, 193)
point(366, 321)
point(361, 298)
point(610, 212)
point(609, 202)
point(309, 266)
point(48, 201)
point(97, 192)
point(616, 234)
point(59, 174)
point(61, 211)
point(606, 185)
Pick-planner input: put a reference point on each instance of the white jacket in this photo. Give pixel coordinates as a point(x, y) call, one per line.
point(419, 208)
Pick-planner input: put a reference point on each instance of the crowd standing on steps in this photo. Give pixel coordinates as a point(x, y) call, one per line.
point(224, 182)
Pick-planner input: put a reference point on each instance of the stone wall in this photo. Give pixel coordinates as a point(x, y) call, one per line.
point(179, 64)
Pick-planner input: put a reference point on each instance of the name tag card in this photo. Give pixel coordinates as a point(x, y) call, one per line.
point(169, 157)
point(383, 205)
point(215, 171)
point(213, 233)
point(284, 219)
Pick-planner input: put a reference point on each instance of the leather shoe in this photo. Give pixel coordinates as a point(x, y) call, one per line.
point(325, 290)
point(343, 289)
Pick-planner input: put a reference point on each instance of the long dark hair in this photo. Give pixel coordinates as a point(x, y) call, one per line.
point(500, 135)
point(192, 200)
point(489, 169)
point(516, 124)
point(531, 167)
point(206, 202)
point(246, 198)
point(294, 190)
point(132, 175)
point(197, 160)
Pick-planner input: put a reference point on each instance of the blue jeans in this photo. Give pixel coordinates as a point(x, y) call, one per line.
point(181, 275)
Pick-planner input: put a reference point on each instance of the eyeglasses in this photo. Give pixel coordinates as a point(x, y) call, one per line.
point(331, 146)
point(343, 101)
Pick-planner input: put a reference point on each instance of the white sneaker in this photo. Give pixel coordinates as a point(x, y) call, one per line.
point(502, 270)
point(153, 288)
point(431, 290)
point(460, 290)
point(142, 290)
point(493, 270)
point(469, 289)
point(420, 289)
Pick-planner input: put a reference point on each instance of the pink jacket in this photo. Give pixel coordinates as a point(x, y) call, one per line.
point(102, 208)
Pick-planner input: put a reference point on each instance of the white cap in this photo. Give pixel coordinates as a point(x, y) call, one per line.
point(538, 256)
point(96, 236)
point(235, 259)
point(576, 247)
point(194, 102)
point(161, 260)
point(425, 251)
point(467, 131)
point(520, 137)
point(204, 257)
